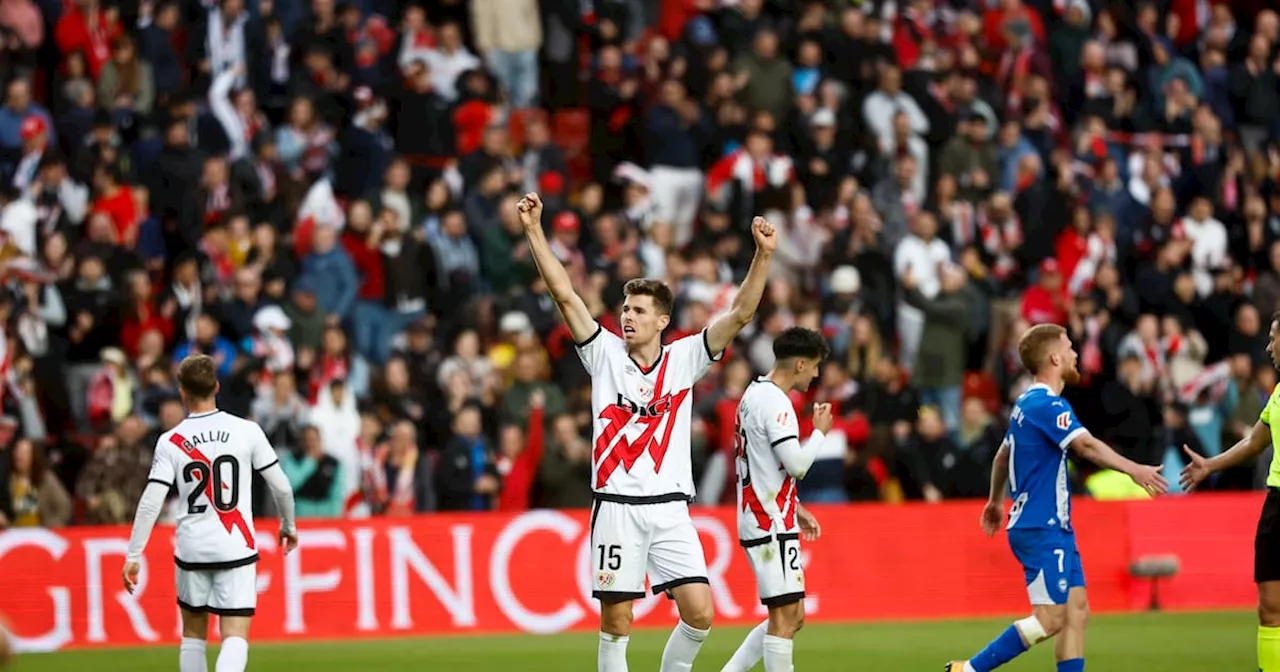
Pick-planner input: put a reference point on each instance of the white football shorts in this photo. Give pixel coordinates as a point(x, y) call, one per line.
point(778, 567)
point(224, 592)
point(629, 539)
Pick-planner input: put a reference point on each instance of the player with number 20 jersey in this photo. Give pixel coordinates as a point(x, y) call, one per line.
point(211, 456)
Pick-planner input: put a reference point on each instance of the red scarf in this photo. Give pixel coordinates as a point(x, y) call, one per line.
point(325, 371)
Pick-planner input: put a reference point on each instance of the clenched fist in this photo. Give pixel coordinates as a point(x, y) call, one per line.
point(530, 208)
point(764, 233)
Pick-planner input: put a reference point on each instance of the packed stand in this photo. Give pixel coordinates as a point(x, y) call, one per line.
point(322, 198)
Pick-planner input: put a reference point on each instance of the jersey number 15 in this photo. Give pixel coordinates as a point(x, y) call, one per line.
point(225, 490)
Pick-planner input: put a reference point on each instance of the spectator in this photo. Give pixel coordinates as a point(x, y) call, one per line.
point(520, 453)
point(112, 482)
point(940, 364)
point(400, 481)
point(888, 99)
point(36, 496)
point(315, 476)
point(508, 35)
point(564, 477)
point(467, 478)
point(126, 81)
point(328, 270)
point(334, 415)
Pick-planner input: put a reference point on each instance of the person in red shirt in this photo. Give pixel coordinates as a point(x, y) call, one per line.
point(116, 200)
point(362, 240)
point(88, 28)
point(1046, 301)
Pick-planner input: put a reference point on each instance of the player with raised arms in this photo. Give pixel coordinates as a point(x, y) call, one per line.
point(642, 471)
point(211, 456)
point(1032, 465)
point(771, 521)
point(1266, 544)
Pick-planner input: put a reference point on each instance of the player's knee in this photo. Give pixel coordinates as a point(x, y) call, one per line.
point(698, 615)
point(1269, 613)
point(1042, 625)
point(1079, 615)
point(616, 618)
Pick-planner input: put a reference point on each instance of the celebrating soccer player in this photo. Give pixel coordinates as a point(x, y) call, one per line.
point(770, 518)
point(1033, 462)
point(1266, 545)
point(209, 455)
point(641, 465)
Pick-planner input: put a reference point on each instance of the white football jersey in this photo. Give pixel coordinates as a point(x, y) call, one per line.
point(642, 416)
point(211, 457)
point(766, 426)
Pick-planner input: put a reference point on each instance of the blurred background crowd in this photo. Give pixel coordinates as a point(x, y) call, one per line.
point(321, 196)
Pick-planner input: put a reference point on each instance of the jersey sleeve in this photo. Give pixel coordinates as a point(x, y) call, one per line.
point(693, 353)
point(164, 470)
point(594, 352)
point(264, 455)
point(1058, 420)
point(779, 420)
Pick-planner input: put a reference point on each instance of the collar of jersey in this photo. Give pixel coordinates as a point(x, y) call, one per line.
point(1044, 387)
point(205, 414)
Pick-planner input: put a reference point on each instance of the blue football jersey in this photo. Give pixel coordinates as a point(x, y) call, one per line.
point(1041, 428)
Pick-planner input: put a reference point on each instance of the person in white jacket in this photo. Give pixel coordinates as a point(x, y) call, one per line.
point(1208, 238)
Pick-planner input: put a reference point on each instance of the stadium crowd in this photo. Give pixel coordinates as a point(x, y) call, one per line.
point(322, 197)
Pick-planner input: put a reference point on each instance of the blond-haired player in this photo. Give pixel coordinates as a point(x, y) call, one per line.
point(211, 456)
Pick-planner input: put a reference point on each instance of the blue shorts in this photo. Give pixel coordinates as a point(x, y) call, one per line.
point(1050, 564)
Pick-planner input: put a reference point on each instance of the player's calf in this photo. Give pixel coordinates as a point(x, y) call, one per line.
point(234, 655)
point(696, 611)
point(786, 620)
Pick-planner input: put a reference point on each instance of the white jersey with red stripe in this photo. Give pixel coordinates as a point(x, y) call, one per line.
point(766, 425)
point(211, 457)
point(643, 416)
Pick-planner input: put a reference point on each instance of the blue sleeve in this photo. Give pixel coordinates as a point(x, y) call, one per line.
point(347, 286)
point(1058, 421)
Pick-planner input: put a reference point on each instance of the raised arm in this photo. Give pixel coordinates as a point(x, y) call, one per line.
point(1093, 449)
point(572, 308)
point(1199, 467)
point(722, 332)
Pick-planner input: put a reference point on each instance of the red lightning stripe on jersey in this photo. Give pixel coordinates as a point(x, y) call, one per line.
point(230, 519)
point(626, 452)
point(786, 502)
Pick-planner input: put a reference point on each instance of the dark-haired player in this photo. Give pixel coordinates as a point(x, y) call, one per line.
point(641, 465)
point(1266, 544)
point(211, 456)
point(1032, 465)
point(770, 459)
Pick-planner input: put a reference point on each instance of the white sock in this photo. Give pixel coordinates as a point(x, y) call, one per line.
point(777, 654)
point(191, 655)
point(750, 652)
point(234, 655)
point(612, 654)
point(682, 648)
point(968, 667)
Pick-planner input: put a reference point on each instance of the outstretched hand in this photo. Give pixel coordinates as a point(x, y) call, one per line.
point(1196, 471)
point(1150, 479)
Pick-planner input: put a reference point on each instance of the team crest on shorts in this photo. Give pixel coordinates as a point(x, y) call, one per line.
point(604, 580)
point(1062, 585)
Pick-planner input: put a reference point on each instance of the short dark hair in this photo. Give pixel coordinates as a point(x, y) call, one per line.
point(656, 289)
point(198, 376)
point(796, 342)
point(1035, 342)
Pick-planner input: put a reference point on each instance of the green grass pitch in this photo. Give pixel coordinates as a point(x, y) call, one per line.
point(1202, 642)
